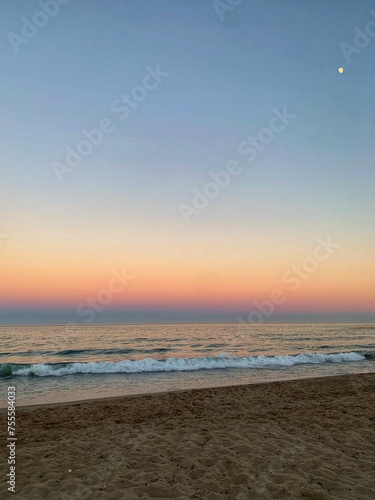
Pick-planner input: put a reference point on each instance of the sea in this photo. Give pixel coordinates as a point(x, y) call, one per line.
point(55, 363)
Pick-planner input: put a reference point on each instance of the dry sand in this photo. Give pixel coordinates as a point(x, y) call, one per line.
point(307, 439)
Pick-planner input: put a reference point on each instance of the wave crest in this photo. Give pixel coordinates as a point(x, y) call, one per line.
point(149, 365)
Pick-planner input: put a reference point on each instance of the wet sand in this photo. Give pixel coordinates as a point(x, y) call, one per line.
point(304, 439)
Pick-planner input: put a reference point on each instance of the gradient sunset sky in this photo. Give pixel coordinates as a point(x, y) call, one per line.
point(119, 211)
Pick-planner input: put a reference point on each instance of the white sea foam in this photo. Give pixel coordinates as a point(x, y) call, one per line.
point(183, 364)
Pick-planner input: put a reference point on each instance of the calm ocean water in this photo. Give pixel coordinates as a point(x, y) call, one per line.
point(50, 363)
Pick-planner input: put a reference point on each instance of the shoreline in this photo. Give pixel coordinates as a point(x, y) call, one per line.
point(27, 325)
point(54, 404)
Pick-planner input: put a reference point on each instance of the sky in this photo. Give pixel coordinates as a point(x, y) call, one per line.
point(167, 161)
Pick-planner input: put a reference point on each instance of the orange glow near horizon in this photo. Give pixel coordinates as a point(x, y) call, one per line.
point(31, 278)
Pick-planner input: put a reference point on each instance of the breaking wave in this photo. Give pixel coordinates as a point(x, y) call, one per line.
point(149, 365)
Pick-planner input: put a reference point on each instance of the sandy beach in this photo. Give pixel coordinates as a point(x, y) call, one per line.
point(305, 439)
